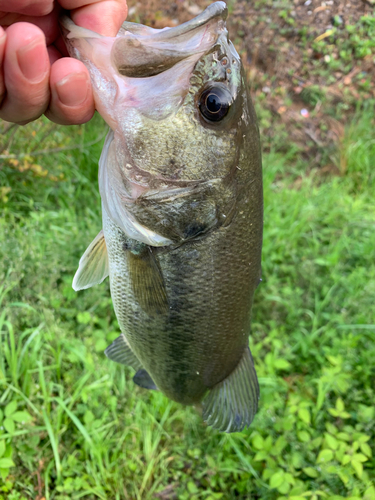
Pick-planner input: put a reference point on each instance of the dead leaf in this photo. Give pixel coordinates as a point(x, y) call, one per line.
point(323, 35)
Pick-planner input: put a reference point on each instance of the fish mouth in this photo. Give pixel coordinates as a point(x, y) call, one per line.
point(143, 52)
point(142, 68)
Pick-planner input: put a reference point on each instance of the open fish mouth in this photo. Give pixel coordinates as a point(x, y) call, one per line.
point(144, 52)
point(140, 51)
point(142, 65)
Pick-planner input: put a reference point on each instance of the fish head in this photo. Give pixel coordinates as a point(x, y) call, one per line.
point(175, 99)
point(185, 121)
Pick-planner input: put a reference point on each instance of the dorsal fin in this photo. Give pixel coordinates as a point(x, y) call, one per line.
point(93, 266)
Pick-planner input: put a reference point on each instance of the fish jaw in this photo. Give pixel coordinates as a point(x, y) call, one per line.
point(141, 67)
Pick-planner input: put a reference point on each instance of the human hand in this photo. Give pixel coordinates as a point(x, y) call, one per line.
point(35, 78)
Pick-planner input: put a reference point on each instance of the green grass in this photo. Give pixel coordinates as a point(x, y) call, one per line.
point(73, 425)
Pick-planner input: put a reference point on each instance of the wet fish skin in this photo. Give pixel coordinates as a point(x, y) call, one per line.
point(182, 211)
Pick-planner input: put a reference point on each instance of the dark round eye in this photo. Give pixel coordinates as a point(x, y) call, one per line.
point(214, 103)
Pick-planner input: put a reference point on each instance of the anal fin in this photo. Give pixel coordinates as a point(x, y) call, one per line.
point(93, 265)
point(120, 352)
point(232, 404)
point(143, 379)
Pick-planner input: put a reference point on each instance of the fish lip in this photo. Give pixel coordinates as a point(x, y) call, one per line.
point(217, 9)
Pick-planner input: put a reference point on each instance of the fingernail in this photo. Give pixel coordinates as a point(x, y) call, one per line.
point(33, 60)
point(73, 89)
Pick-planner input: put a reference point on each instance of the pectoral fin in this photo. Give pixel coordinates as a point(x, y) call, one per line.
point(143, 379)
point(231, 405)
point(120, 352)
point(93, 266)
point(147, 280)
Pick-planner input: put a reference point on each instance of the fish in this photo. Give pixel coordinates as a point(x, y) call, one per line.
point(180, 180)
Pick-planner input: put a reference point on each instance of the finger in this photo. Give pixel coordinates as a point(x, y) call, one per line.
point(104, 17)
point(27, 7)
point(8, 18)
point(26, 74)
point(2, 51)
point(72, 100)
point(48, 24)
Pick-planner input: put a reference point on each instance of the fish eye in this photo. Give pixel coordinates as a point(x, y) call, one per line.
point(214, 103)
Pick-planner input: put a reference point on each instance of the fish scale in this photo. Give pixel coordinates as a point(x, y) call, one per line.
point(181, 187)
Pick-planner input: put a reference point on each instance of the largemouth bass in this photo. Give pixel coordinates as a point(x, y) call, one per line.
point(181, 187)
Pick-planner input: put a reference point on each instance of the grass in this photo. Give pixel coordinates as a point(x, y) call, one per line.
point(73, 425)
